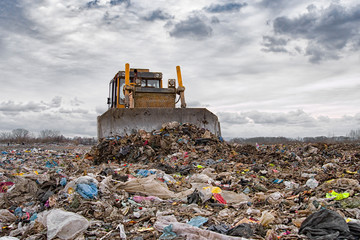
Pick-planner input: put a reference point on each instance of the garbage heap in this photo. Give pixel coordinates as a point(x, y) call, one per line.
point(182, 182)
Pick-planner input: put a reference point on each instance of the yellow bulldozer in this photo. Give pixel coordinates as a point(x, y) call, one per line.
point(137, 100)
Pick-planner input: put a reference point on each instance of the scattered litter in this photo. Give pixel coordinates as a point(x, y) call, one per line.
point(180, 182)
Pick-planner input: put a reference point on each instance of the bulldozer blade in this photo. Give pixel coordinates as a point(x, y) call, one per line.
point(125, 121)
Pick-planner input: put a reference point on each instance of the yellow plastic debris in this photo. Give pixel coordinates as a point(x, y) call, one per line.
point(338, 196)
point(214, 189)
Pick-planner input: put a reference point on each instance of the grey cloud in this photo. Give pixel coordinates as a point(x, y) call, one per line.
point(12, 14)
point(71, 124)
point(96, 3)
point(274, 44)
point(12, 107)
point(272, 3)
point(55, 102)
point(298, 49)
point(100, 109)
point(193, 104)
point(196, 104)
point(298, 117)
point(109, 19)
point(93, 4)
point(267, 118)
point(325, 119)
point(157, 15)
point(357, 117)
point(215, 20)
point(229, 7)
point(193, 27)
point(71, 111)
point(76, 102)
point(328, 31)
point(278, 4)
point(318, 53)
point(118, 2)
point(232, 118)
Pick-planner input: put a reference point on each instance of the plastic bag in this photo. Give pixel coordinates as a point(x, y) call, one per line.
point(148, 186)
point(6, 216)
point(325, 224)
point(197, 221)
point(241, 230)
point(266, 218)
point(275, 198)
point(63, 224)
point(86, 186)
point(222, 228)
point(233, 197)
point(201, 178)
point(87, 191)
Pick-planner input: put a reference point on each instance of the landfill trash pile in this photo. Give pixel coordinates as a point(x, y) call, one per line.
point(180, 182)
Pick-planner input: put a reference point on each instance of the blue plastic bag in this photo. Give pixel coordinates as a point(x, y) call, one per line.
point(87, 191)
point(197, 221)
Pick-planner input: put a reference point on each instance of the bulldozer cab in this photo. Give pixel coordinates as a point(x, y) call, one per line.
point(139, 78)
point(140, 88)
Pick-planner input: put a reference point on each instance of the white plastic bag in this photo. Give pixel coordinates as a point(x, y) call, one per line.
point(6, 216)
point(62, 224)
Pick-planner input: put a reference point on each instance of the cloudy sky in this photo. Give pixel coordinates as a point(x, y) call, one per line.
point(265, 67)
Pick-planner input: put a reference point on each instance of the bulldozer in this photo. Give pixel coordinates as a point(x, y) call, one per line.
point(137, 100)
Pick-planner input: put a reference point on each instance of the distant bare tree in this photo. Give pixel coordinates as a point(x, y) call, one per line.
point(354, 134)
point(47, 133)
point(20, 134)
point(5, 136)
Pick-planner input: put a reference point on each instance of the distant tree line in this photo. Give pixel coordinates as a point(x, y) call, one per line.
point(22, 136)
point(352, 136)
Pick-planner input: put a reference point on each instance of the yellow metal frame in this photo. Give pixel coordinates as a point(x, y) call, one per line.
point(128, 84)
point(178, 71)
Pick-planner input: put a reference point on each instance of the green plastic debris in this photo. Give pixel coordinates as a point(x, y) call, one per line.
point(338, 196)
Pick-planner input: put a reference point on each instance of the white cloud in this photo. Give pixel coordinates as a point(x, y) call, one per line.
point(291, 124)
